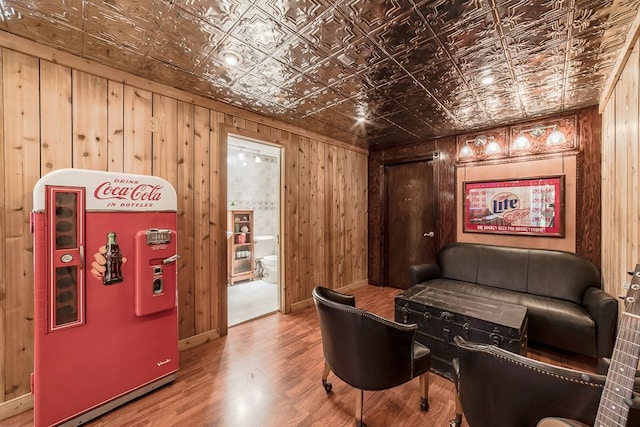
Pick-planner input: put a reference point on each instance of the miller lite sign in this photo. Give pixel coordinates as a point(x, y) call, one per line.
point(526, 206)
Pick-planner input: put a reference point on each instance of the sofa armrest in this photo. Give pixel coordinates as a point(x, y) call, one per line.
point(423, 272)
point(603, 309)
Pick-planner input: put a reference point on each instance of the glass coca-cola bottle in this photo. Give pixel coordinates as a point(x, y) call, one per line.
point(113, 265)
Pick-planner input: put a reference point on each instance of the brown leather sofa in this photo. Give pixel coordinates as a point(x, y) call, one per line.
point(566, 306)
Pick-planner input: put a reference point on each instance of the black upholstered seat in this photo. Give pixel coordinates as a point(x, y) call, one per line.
point(497, 388)
point(366, 351)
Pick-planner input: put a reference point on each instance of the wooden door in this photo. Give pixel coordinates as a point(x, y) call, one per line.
point(410, 221)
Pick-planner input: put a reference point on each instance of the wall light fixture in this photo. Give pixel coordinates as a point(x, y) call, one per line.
point(556, 136)
point(490, 145)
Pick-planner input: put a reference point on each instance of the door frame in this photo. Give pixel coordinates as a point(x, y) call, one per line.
point(432, 156)
point(223, 270)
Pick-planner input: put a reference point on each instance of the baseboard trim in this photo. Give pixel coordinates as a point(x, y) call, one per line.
point(16, 406)
point(197, 340)
point(301, 305)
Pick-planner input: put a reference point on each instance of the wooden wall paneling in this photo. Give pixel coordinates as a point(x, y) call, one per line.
point(609, 245)
point(21, 171)
point(631, 77)
point(620, 205)
point(330, 217)
point(317, 220)
point(115, 126)
point(291, 206)
point(446, 190)
point(304, 214)
point(90, 132)
point(4, 179)
point(363, 200)
point(199, 321)
point(217, 292)
point(185, 172)
point(164, 146)
point(55, 117)
point(374, 219)
point(588, 195)
point(347, 202)
point(341, 206)
point(137, 134)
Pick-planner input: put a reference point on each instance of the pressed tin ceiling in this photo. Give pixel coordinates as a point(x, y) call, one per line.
point(412, 68)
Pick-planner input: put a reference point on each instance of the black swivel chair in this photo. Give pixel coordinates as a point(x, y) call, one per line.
point(497, 388)
point(367, 351)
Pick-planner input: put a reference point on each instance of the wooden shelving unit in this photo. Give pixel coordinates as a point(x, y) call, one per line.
point(241, 246)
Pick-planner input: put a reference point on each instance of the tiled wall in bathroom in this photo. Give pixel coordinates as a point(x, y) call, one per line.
point(254, 186)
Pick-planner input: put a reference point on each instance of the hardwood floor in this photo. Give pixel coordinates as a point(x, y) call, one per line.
point(267, 373)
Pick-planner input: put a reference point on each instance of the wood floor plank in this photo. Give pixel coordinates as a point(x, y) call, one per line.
point(268, 373)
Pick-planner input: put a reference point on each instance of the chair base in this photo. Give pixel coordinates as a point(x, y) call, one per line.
point(424, 395)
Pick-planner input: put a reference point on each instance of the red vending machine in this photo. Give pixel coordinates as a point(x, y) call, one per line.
point(106, 325)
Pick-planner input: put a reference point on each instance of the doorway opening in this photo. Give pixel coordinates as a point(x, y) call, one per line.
point(253, 229)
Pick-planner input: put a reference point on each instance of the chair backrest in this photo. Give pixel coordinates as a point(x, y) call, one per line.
point(498, 388)
point(364, 350)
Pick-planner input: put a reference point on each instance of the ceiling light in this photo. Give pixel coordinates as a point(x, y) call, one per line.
point(487, 80)
point(258, 159)
point(230, 57)
point(241, 155)
point(361, 119)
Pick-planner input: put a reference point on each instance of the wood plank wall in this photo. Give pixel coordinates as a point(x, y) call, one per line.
point(587, 218)
point(58, 111)
point(444, 179)
point(620, 165)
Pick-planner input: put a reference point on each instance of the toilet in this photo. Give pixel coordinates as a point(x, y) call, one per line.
point(270, 268)
point(265, 253)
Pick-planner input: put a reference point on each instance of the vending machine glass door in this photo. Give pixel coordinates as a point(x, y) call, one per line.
point(66, 242)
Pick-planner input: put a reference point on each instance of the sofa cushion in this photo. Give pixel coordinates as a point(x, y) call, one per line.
point(503, 267)
point(561, 324)
point(561, 275)
point(459, 262)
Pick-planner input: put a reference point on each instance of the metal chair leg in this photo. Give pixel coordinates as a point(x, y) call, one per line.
point(424, 391)
point(325, 374)
point(359, 408)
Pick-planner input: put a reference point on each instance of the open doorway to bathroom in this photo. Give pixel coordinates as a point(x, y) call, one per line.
point(253, 205)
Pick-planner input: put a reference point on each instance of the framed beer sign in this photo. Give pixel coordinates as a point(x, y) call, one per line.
point(529, 206)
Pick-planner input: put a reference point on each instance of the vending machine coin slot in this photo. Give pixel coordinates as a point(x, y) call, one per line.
point(156, 271)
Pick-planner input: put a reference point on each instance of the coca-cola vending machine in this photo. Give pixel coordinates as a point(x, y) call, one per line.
point(106, 325)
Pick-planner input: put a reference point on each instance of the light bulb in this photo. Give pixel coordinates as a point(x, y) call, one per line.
point(521, 142)
point(556, 137)
point(466, 151)
point(493, 147)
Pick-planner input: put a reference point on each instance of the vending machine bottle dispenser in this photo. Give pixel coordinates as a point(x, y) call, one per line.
point(105, 288)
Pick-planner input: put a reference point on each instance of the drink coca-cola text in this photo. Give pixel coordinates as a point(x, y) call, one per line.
point(121, 191)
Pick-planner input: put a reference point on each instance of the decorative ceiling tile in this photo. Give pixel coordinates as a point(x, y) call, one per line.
point(35, 25)
point(185, 41)
point(64, 12)
point(150, 13)
point(295, 14)
point(128, 31)
point(414, 68)
point(222, 14)
point(261, 31)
